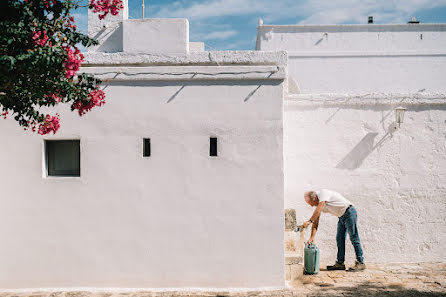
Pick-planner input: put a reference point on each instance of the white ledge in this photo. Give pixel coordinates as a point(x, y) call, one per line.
point(163, 73)
point(310, 54)
point(278, 58)
point(331, 99)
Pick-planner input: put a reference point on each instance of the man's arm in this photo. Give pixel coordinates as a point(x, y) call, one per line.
point(316, 214)
point(314, 230)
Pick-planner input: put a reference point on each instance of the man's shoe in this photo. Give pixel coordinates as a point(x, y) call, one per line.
point(337, 266)
point(358, 267)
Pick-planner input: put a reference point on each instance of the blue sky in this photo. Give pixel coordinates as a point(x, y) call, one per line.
point(232, 24)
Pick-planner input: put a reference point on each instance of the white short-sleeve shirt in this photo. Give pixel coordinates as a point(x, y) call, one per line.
point(335, 203)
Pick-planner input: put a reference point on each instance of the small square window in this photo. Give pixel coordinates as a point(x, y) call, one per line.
point(63, 157)
point(213, 147)
point(146, 147)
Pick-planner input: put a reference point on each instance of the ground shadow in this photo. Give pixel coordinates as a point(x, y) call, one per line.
point(372, 290)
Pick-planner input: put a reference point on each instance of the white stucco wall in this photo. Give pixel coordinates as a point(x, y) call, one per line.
point(157, 36)
point(336, 132)
point(176, 219)
point(117, 34)
point(361, 58)
point(397, 181)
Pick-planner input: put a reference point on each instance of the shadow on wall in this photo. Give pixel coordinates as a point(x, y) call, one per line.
point(183, 86)
point(358, 154)
point(176, 93)
point(373, 290)
point(110, 39)
point(256, 84)
point(256, 89)
point(363, 149)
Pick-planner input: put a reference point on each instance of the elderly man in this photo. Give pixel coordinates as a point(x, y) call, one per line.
point(335, 204)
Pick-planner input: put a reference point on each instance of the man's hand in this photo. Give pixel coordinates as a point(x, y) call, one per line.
point(311, 240)
point(306, 224)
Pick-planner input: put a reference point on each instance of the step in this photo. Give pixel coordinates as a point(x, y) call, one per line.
point(293, 266)
point(292, 258)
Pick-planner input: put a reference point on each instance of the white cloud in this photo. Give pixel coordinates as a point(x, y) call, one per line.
point(357, 11)
point(219, 34)
point(240, 44)
point(208, 23)
point(309, 11)
point(197, 10)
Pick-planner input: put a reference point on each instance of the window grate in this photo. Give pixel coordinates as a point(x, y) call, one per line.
point(63, 157)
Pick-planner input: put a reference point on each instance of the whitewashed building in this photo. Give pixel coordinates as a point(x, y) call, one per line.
point(182, 178)
point(340, 132)
point(177, 181)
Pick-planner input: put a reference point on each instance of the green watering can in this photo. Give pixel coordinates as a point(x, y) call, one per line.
point(311, 258)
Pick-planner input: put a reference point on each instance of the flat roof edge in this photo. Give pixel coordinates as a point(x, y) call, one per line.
point(276, 58)
point(356, 27)
point(188, 73)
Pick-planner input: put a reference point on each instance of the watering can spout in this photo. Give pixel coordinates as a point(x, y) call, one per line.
point(298, 228)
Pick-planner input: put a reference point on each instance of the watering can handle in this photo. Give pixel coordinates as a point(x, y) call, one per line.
point(314, 266)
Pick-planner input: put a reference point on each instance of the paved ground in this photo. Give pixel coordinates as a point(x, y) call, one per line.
point(395, 280)
point(427, 279)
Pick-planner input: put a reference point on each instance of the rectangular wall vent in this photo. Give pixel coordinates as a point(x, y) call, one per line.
point(213, 147)
point(146, 147)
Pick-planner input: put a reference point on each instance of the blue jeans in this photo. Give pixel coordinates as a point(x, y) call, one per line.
point(348, 223)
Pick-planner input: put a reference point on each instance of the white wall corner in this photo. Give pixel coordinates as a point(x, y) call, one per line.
point(292, 86)
point(107, 31)
point(196, 47)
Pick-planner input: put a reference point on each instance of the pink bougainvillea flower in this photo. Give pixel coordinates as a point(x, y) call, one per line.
point(106, 6)
point(51, 124)
point(73, 61)
point(54, 97)
point(48, 3)
point(39, 38)
point(69, 23)
point(5, 114)
point(95, 98)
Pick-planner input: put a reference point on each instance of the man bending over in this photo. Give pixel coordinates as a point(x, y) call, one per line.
point(335, 204)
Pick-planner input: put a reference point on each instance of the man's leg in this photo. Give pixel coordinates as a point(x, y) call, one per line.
point(340, 240)
point(352, 229)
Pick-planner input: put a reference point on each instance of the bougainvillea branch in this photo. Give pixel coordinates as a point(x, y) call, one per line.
point(106, 6)
point(40, 61)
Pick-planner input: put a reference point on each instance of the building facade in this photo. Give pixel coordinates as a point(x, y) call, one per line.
point(182, 178)
point(177, 181)
point(340, 132)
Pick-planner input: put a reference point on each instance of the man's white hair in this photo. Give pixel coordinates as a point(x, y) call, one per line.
point(312, 195)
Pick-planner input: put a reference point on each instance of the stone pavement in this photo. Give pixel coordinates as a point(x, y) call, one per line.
point(391, 280)
point(422, 279)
